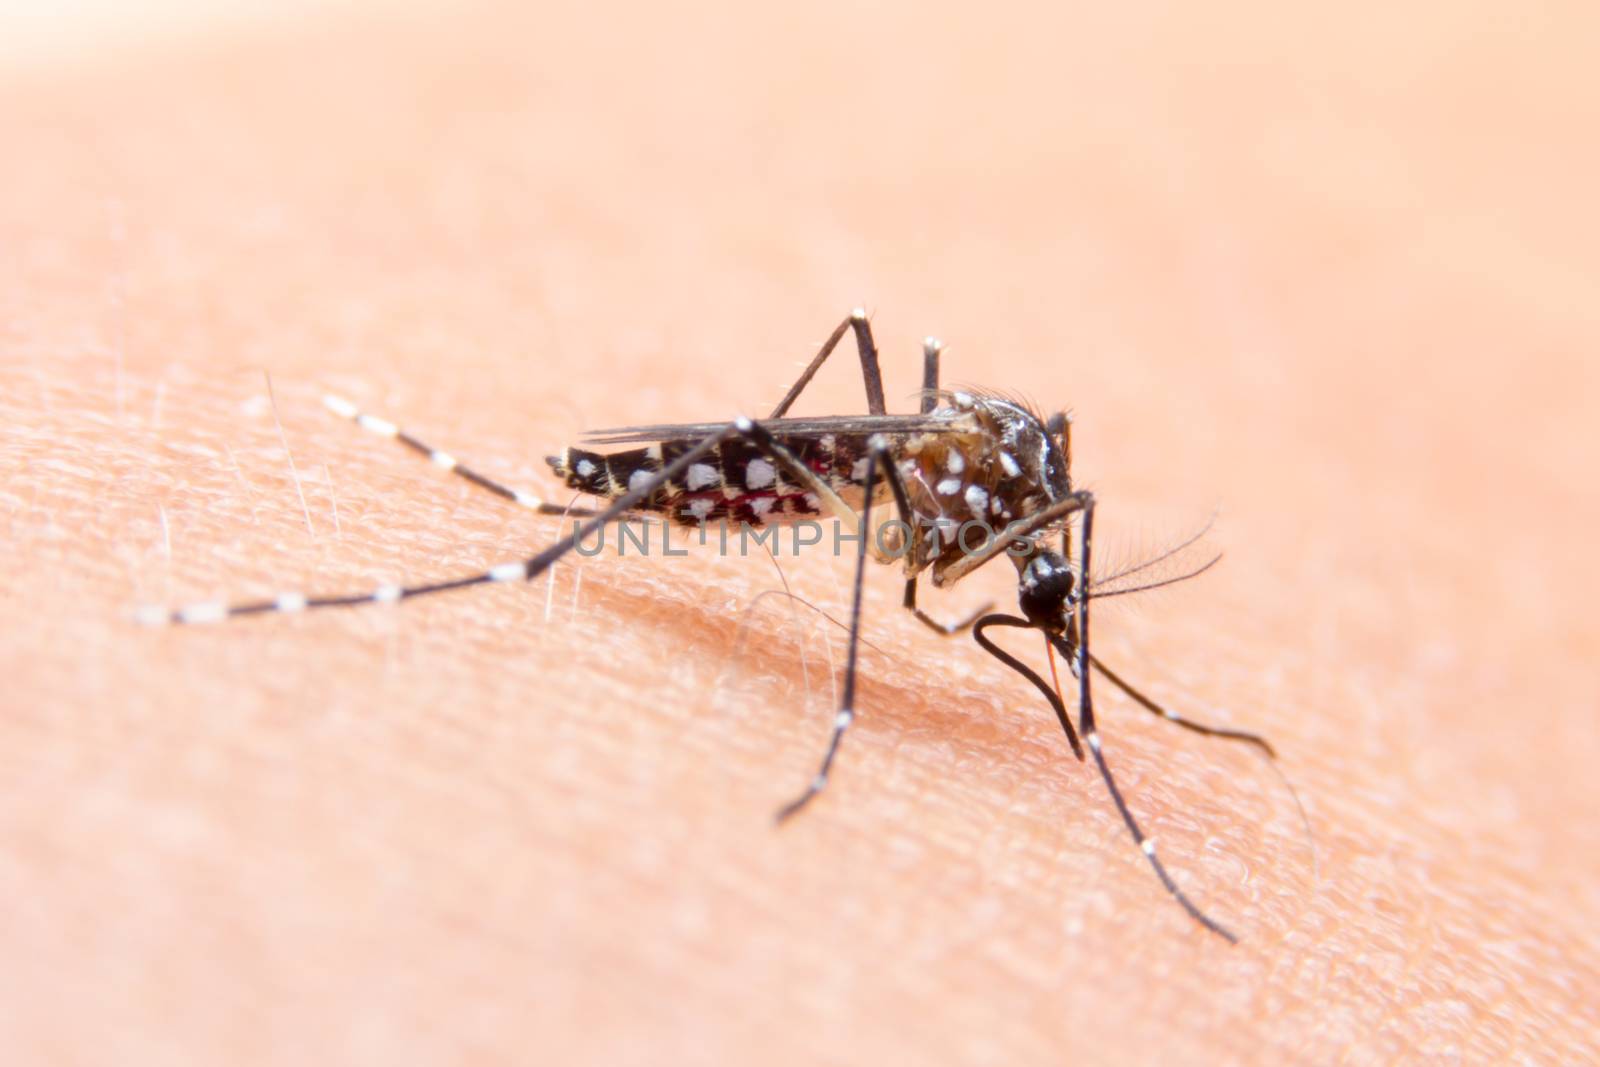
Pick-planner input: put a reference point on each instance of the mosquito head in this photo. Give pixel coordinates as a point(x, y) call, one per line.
point(1044, 590)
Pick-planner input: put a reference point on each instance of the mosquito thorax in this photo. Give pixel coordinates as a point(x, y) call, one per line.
point(1027, 447)
point(1044, 590)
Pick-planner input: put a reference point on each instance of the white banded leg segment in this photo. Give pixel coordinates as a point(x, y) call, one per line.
point(1226, 733)
point(509, 572)
point(203, 612)
point(389, 593)
point(381, 427)
point(341, 407)
point(445, 460)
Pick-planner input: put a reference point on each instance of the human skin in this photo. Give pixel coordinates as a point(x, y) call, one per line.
point(1331, 273)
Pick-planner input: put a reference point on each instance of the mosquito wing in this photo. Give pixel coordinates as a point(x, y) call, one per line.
point(838, 425)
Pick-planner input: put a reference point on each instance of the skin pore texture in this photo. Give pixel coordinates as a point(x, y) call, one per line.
point(1334, 273)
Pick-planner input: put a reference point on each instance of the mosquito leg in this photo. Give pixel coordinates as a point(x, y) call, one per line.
point(930, 373)
point(945, 629)
point(846, 713)
point(1020, 530)
point(1086, 725)
point(803, 476)
point(1027, 672)
point(1171, 716)
point(873, 378)
point(517, 570)
point(1228, 735)
point(384, 428)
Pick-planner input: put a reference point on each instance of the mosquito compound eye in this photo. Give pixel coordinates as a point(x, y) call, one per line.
point(1045, 589)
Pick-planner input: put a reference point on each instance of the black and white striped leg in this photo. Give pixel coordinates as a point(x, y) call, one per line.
point(516, 570)
point(439, 458)
point(930, 373)
point(847, 698)
point(871, 376)
point(1079, 651)
point(1173, 717)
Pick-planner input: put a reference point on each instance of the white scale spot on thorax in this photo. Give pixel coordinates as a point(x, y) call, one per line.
point(858, 470)
point(759, 474)
point(977, 498)
point(701, 476)
point(949, 487)
point(955, 462)
point(1009, 463)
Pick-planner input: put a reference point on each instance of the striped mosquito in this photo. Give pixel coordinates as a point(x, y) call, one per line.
point(964, 458)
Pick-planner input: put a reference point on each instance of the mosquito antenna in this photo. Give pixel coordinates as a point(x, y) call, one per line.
point(1162, 557)
point(1159, 583)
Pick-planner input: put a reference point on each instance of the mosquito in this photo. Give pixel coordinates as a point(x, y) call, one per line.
point(966, 457)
